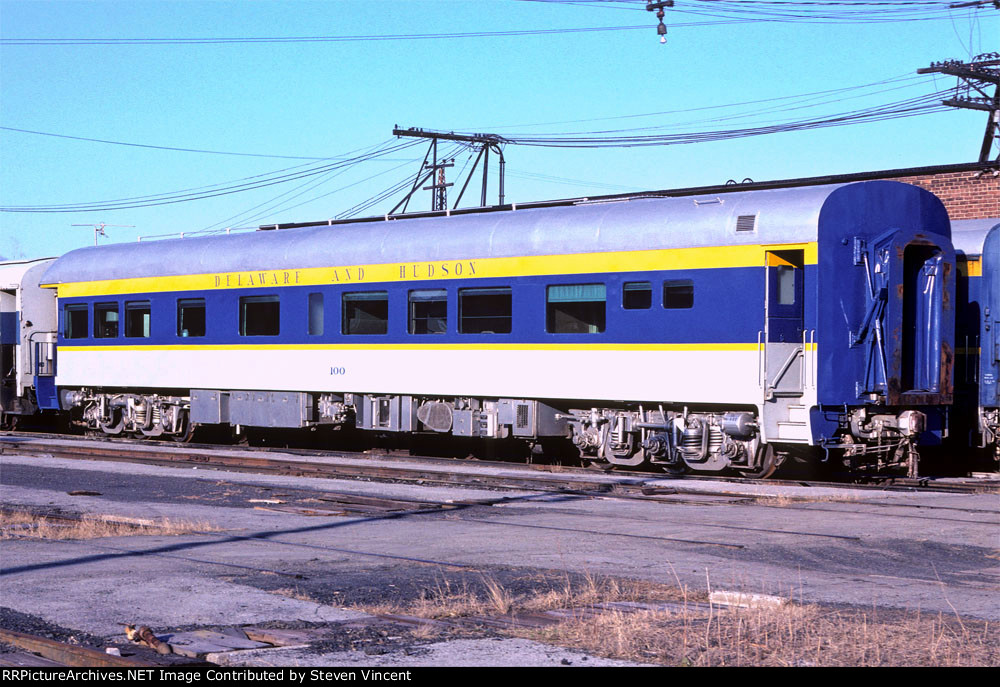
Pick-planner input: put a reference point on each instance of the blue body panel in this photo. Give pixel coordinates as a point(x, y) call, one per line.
point(9, 327)
point(867, 237)
point(989, 362)
point(739, 290)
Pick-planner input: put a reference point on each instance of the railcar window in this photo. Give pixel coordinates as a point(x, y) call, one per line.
point(576, 308)
point(75, 321)
point(637, 295)
point(259, 315)
point(786, 284)
point(484, 311)
point(191, 317)
point(678, 294)
point(105, 320)
point(428, 311)
point(137, 319)
point(315, 314)
point(365, 312)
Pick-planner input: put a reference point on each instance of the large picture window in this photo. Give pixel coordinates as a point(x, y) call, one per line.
point(137, 315)
point(259, 315)
point(576, 308)
point(484, 311)
point(105, 320)
point(428, 311)
point(191, 317)
point(75, 321)
point(365, 312)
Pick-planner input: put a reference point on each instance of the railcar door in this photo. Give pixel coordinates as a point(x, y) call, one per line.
point(784, 356)
point(784, 322)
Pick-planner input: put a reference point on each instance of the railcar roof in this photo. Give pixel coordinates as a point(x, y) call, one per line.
point(784, 215)
point(12, 272)
point(968, 235)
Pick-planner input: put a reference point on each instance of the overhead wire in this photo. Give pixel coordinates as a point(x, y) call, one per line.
point(247, 184)
point(158, 147)
point(919, 105)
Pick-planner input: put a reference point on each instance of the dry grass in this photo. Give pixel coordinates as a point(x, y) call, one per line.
point(293, 593)
point(493, 599)
point(787, 636)
point(19, 524)
point(700, 634)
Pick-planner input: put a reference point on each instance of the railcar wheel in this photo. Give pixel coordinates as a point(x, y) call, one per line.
point(678, 468)
point(597, 464)
point(187, 435)
point(767, 463)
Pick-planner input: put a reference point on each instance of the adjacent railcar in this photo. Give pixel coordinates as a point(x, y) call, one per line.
point(698, 333)
point(27, 340)
point(976, 413)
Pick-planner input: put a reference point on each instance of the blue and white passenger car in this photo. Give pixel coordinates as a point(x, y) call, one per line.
point(699, 332)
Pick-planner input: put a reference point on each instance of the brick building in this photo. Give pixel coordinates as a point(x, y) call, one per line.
point(970, 191)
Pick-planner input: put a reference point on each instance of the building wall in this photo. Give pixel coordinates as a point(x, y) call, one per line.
point(970, 194)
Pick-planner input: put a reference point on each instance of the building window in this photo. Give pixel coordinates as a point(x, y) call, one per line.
point(637, 295)
point(315, 314)
point(428, 311)
point(484, 311)
point(678, 294)
point(137, 319)
point(191, 317)
point(365, 312)
point(75, 321)
point(105, 320)
point(576, 308)
point(259, 316)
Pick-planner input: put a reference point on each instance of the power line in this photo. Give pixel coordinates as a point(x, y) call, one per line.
point(249, 184)
point(157, 147)
point(208, 40)
point(920, 105)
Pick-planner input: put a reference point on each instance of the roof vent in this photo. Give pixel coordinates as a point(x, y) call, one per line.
point(746, 223)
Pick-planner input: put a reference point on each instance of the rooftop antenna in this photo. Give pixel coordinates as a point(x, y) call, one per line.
point(99, 228)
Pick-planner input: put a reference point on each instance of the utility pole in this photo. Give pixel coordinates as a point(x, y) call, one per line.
point(484, 143)
point(438, 187)
point(99, 228)
point(971, 93)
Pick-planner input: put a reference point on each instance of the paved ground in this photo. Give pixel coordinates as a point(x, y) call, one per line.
point(936, 552)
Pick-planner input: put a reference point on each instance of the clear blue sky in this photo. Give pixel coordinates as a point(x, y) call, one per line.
point(325, 99)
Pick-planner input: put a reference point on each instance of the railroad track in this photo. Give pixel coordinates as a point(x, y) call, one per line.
point(424, 470)
point(34, 651)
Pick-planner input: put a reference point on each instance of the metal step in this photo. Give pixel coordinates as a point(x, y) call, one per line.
point(794, 432)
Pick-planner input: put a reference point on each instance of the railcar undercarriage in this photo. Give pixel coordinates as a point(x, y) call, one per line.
point(674, 439)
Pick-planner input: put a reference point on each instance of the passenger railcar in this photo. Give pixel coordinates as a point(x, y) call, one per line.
point(699, 332)
point(976, 415)
point(27, 340)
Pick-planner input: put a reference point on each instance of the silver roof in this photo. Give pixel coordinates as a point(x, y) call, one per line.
point(968, 235)
point(12, 272)
point(783, 215)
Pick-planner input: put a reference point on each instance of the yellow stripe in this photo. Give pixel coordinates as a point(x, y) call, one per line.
point(471, 268)
point(969, 267)
point(432, 347)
